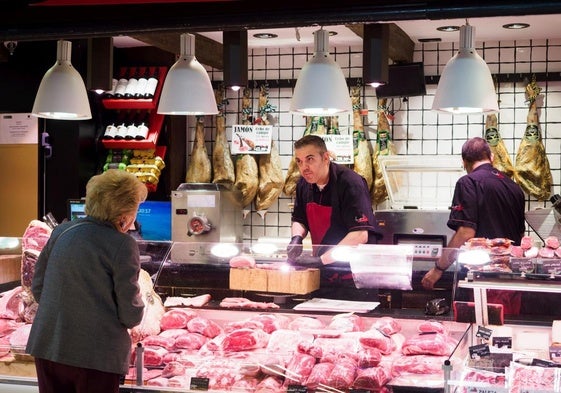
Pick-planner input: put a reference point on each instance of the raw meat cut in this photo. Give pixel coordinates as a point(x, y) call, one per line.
point(526, 242)
point(369, 357)
point(173, 369)
point(373, 377)
point(199, 167)
point(194, 301)
point(418, 364)
point(153, 309)
point(429, 344)
point(501, 158)
point(304, 322)
point(523, 378)
point(516, 251)
point(386, 325)
point(552, 242)
point(546, 252)
point(190, 341)
point(242, 261)
point(221, 374)
point(159, 341)
point(272, 322)
point(241, 302)
point(245, 384)
point(532, 166)
point(159, 381)
point(269, 385)
point(204, 326)
point(11, 304)
point(284, 341)
point(245, 339)
point(154, 356)
point(319, 375)
point(19, 337)
point(173, 333)
point(346, 323)
point(431, 326)
point(298, 369)
point(177, 318)
point(222, 164)
point(8, 326)
point(373, 338)
point(343, 375)
point(362, 148)
point(310, 348)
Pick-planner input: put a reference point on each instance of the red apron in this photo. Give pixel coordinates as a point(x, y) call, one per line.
point(319, 220)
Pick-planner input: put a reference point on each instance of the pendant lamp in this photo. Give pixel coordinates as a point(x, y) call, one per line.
point(466, 85)
point(375, 54)
point(187, 88)
point(62, 93)
point(321, 88)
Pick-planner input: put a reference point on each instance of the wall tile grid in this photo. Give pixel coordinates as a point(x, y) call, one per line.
point(416, 130)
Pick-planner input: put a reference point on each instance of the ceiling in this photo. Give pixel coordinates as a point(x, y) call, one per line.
point(293, 21)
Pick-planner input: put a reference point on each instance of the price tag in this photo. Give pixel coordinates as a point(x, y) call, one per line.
point(479, 351)
point(486, 389)
point(483, 332)
point(199, 383)
point(500, 342)
point(552, 266)
point(522, 265)
point(297, 389)
point(555, 354)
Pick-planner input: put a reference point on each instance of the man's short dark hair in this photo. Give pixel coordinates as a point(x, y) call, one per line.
point(476, 149)
point(313, 140)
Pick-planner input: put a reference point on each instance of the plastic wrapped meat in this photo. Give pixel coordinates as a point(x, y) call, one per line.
point(429, 344)
point(204, 326)
point(343, 375)
point(346, 323)
point(319, 375)
point(373, 338)
point(245, 339)
point(374, 377)
point(298, 369)
point(190, 340)
point(176, 318)
point(387, 326)
point(418, 364)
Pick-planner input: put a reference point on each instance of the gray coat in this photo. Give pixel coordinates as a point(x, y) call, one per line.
point(86, 284)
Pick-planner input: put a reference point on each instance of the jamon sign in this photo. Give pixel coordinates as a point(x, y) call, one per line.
point(251, 139)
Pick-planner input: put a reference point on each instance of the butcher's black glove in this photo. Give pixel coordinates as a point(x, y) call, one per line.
point(308, 261)
point(294, 248)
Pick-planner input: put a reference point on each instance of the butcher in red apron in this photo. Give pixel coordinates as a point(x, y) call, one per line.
point(332, 204)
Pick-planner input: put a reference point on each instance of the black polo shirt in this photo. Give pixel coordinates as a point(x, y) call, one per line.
point(490, 202)
point(347, 194)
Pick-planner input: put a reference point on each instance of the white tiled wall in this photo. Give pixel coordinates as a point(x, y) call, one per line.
point(416, 130)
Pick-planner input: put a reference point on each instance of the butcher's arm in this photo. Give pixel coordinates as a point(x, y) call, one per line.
point(462, 235)
point(298, 229)
point(351, 239)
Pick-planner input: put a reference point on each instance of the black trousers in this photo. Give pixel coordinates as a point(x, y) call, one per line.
point(55, 377)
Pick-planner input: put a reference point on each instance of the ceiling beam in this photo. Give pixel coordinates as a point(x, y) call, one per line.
point(401, 47)
point(207, 51)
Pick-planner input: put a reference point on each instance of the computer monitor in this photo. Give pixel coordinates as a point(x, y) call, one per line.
point(154, 217)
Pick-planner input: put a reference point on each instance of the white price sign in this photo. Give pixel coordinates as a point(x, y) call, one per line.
point(251, 139)
point(341, 146)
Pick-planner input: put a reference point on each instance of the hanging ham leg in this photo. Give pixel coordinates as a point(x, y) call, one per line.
point(247, 174)
point(362, 151)
point(199, 169)
point(532, 166)
point(501, 159)
point(383, 147)
point(222, 164)
point(271, 179)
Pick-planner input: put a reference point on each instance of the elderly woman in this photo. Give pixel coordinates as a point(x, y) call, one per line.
point(86, 284)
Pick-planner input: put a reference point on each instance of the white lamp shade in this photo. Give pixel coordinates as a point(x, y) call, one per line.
point(321, 88)
point(466, 85)
point(62, 93)
point(187, 88)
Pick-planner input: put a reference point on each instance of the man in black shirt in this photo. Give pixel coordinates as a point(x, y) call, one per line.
point(486, 204)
